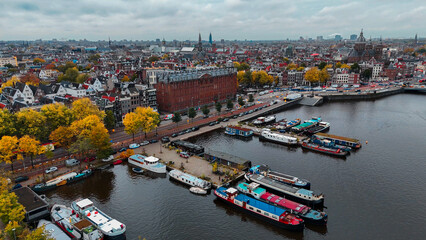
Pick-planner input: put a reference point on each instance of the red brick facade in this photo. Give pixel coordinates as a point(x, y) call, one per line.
point(179, 95)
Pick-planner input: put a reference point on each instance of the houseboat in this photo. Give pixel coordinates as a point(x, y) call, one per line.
point(277, 138)
point(292, 123)
point(325, 150)
point(264, 120)
point(53, 231)
point(303, 127)
point(350, 142)
point(329, 144)
point(298, 194)
point(270, 119)
point(189, 179)
point(321, 127)
point(259, 121)
point(308, 214)
point(284, 178)
point(110, 228)
point(149, 163)
point(238, 131)
point(61, 180)
point(267, 212)
point(73, 224)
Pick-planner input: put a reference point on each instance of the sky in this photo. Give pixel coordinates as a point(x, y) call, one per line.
point(225, 19)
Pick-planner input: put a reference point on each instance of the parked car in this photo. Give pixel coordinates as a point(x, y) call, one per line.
point(134, 145)
point(174, 135)
point(144, 143)
point(206, 116)
point(225, 120)
point(181, 132)
point(195, 128)
point(21, 179)
point(153, 141)
point(71, 162)
point(122, 150)
point(188, 130)
point(235, 116)
point(51, 169)
point(212, 123)
point(89, 159)
point(184, 154)
point(217, 122)
point(165, 139)
point(241, 114)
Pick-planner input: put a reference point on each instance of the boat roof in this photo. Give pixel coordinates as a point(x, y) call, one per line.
point(254, 202)
point(144, 158)
point(306, 124)
point(253, 186)
point(54, 231)
point(305, 192)
point(274, 183)
point(283, 202)
point(239, 128)
point(84, 203)
point(63, 177)
point(187, 176)
point(337, 137)
point(151, 159)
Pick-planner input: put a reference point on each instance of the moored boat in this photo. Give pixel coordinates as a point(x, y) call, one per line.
point(277, 138)
point(281, 177)
point(292, 123)
point(303, 127)
point(110, 228)
point(198, 190)
point(189, 179)
point(137, 170)
point(270, 119)
point(61, 180)
point(149, 163)
point(321, 127)
point(238, 131)
point(306, 213)
point(270, 213)
point(259, 121)
point(298, 194)
point(325, 150)
point(329, 144)
point(350, 142)
point(52, 230)
point(72, 223)
point(117, 162)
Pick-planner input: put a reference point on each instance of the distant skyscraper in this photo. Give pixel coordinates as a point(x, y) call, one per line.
point(415, 40)
point(353, 37)
point(338, 37)
point(210, 38)
point(320, 38)
point(200, 45)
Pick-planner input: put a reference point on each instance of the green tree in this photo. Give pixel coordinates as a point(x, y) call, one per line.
point(322, 65)
point(355, 68)
point(192, 113)
point(251, 98)
point(153, 59)
point(218, 106)
point(176, 118)
point(7, 123)
point(81, 78)
point(366, 74)
point(64, 68)
point(229, 104)
point(241, 101)
point(109, 119)
point(94, 58)
point(205, 110)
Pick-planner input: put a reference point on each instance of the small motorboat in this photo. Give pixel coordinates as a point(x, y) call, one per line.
point(198, 190)
point(137, 170)
point(119, 161)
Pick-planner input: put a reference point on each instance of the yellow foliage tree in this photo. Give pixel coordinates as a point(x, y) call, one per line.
point(300, 69)
point(149, 119)
point(312, 75)
point(345, 66)
point(9, 83)
point(10, 209)
point(338, 65)
point(83, 107)
point(56, 115)
point(38, 60)
point(240, 77)
point(62, 136)
point(126, 154)
point(292, 66)
point(8, 148)
point(125, 78)
point(30, 147)
point(7, 123)
point(132, 123)
point(31, 123)
point(323, 75)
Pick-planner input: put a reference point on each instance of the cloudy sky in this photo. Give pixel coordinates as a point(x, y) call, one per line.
point(228, 19)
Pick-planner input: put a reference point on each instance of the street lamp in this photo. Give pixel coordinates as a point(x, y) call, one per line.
point(14, 236)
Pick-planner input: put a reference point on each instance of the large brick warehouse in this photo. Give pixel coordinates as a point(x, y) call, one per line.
point(180, 90)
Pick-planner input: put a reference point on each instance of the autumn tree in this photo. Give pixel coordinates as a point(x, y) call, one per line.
point(192, 113)
point(30, 79)
point(323, 75)
point(9, 83)
point(312, 75)
point(62, 136)
point(30, 147)
point(56, 114)
point(125, 78)
point(338, 65)
point(7, 123)
point(241, 66)
point(70, 75)
point(132, 123)
point(32, 123)
point(64, 68)
point(240, 77)
point(153, 58)
point(251, 98)
point(82, 78)
point(292, 66)
point(149, 119)
point(241, 101)
point(12, 213)
point(38, 61)
point(345, 66)
point(8, 149)
point(83, 107)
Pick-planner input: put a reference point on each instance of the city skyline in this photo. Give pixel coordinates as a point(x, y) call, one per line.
point(227, 19)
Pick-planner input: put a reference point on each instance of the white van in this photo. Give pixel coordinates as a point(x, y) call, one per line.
point(71, 162)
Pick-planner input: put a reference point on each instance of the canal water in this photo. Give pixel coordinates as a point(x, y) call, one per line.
point(377, 192)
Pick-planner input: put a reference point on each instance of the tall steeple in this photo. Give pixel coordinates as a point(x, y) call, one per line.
point(200, 45)
point(361, 37)
point(415, 39)
point(210, 38)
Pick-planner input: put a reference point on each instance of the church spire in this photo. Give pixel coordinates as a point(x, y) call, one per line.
point(210, 38)
point(361, 37)
point(200, 45)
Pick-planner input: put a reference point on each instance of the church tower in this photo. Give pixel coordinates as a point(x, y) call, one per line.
point(200, 45)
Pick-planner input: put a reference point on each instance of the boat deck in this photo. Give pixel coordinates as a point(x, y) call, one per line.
point(282, 175)
point(326, 135)
point(263, 180)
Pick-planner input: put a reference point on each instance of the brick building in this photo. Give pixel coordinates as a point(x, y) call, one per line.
point(179, 90)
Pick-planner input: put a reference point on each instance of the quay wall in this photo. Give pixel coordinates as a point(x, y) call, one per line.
point(360, 96)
